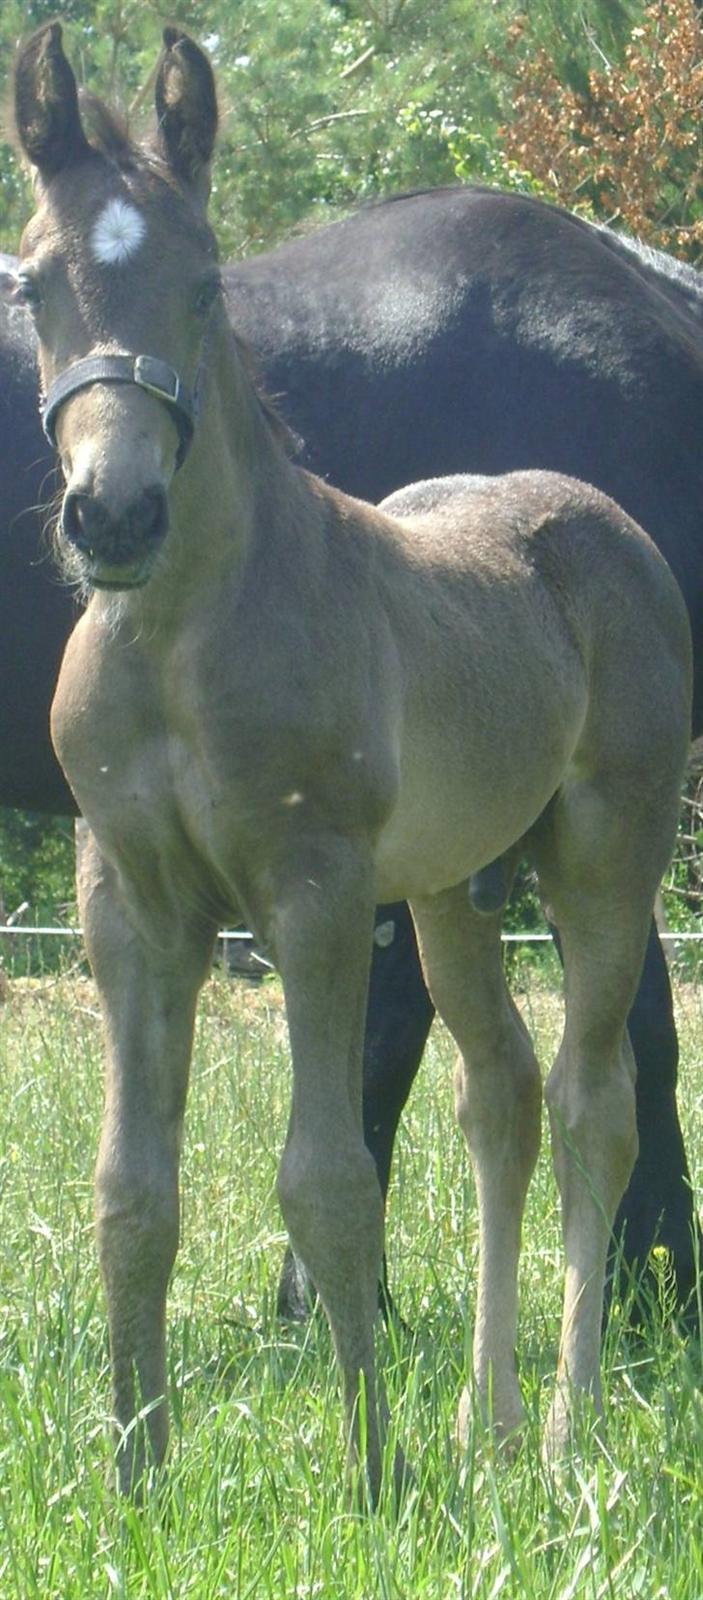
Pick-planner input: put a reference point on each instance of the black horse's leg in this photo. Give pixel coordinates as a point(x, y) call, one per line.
point(398, 1021)
point(397, 1024)
point(657, 1207)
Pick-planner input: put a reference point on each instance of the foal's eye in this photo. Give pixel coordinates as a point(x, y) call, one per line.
point(27, 291)
point(206, 293)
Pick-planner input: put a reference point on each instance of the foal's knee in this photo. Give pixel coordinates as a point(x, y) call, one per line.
point(334, 1182)
point(136, 1213)
point(592, 1111)
point(498, 1091)
point(332, 1207)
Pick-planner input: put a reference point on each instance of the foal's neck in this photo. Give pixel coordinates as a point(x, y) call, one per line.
point(243, 463)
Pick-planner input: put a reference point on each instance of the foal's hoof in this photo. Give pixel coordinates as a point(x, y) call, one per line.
point(572, 1419)
point(505, 1429)
point(365, 1488)
point(404, 1480)
point(558, 1436)
point(463, 1419)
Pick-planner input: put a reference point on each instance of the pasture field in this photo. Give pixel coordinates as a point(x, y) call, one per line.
point(251, 1506)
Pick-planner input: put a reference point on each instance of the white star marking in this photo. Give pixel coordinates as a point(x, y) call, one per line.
point(117, 234)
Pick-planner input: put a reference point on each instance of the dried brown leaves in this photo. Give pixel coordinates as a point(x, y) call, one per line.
point(633, 145)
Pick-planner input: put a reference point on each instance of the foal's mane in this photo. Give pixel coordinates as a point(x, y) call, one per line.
point(281, 430)
point(107, 132)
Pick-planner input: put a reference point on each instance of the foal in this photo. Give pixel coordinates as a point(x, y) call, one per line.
point(283, 704)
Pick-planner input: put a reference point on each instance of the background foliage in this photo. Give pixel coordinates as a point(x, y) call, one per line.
point(328, 102)
point(596, 104)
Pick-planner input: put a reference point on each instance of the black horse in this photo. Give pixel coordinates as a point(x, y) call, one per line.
point(453, 330)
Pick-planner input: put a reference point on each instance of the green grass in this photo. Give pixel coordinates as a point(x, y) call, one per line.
point(251, 1504)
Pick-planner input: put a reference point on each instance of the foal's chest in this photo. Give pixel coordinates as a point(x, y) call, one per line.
point(191, 775)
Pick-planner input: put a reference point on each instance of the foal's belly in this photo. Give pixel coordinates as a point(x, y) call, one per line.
point(453, 817)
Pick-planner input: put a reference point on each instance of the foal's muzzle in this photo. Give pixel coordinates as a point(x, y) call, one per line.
point(117, 540)
point(117, 550)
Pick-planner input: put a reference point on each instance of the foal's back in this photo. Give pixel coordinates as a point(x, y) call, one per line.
point(493, 543)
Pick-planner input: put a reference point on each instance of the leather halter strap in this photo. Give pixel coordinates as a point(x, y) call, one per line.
point(147, 372)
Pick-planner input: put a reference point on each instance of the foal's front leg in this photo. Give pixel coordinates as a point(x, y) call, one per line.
point(328, 1186)
point(148, 1001)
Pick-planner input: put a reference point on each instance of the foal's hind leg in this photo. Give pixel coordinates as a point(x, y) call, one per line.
point(498, 1099)
point(600, 891)
point(657, 1206)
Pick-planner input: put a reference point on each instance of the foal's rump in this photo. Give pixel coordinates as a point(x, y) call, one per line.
point(540, 622)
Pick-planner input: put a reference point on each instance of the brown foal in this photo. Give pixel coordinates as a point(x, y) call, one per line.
point(287, 705)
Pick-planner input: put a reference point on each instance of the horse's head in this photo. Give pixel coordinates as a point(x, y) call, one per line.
point(119, 269)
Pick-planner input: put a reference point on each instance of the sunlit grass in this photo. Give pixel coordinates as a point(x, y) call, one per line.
point(251, 1505)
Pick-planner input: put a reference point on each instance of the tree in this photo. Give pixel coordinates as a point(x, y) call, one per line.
point(36, 862)
point(324, 104)
point(625, 138)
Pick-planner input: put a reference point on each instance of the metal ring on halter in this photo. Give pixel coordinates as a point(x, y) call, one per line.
point(147, 372)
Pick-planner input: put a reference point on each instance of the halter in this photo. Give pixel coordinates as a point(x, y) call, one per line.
point(147, 372)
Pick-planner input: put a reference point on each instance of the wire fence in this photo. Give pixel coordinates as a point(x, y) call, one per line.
point(46, 951)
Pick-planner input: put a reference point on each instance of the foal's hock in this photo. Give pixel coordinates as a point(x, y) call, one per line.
point(286, 704)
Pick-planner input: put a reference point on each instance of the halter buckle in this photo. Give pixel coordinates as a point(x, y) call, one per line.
point(158, 378)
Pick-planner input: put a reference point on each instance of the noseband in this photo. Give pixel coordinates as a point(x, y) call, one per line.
point(147, 372)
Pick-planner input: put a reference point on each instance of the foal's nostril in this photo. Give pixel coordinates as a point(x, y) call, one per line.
point(149, 515)
point(83, 521)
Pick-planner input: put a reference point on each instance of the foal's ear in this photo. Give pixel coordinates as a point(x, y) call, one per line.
point(46, 104)
point(186, 108)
